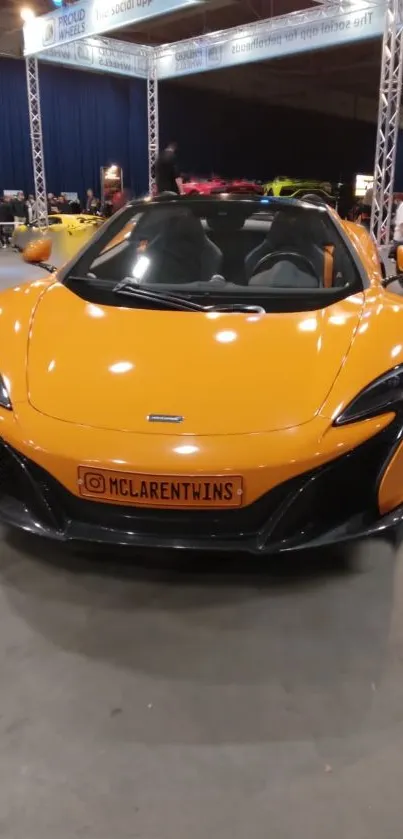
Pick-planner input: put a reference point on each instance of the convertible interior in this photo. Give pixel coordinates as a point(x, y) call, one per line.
point(296, 248)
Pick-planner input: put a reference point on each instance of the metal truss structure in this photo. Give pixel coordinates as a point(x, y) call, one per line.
point(152, 114)
point(324, 10)
point(35, 124)
point(390, 92)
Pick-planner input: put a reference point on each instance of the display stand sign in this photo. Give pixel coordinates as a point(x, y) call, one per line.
point(92, 17)
point(54, 37)
point(103, 55)
point(362, 184)
point(11, 193)
point(271, 39)
point(111, 183)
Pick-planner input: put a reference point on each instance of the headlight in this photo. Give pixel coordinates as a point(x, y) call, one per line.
point(5, 401)
point(382, 395)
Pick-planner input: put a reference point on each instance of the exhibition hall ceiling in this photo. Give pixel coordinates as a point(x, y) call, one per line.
point(352, 70)
point(208, 17)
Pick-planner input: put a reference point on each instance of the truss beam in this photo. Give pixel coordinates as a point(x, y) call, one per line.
point(152, 114)
point(150, 61)
point(390, 91)
point(35, 125)
point(322, 12)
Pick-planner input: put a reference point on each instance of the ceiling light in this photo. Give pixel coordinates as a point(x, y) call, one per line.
point(26, 14)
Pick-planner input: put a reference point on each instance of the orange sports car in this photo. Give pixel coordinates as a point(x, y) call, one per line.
point(206, 373)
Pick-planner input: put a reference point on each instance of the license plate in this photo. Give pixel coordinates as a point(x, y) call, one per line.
point(159, 491)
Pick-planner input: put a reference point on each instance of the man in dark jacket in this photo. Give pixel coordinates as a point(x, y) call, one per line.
point(63, 205)
point(5, 217)
point(92, 203)
point(167, 177)
point(20, 209)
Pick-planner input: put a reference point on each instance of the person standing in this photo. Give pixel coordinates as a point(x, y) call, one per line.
point(92, 203)
point(63, 205)
point(31, 210)
point(20, 209)
point(167, 177)
point(120, 199)
point(52, 204)
point(398, 230)
point(5, 218)
point(366, 207)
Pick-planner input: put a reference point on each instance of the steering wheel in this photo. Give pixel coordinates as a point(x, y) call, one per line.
point(298, 259)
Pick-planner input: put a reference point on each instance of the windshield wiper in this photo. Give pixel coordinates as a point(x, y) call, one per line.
point(168, 300)
point(172, 301)
point(238, 307)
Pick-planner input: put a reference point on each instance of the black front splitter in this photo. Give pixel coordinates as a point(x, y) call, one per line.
point(16, 515)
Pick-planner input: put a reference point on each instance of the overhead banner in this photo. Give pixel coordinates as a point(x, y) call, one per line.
point(103, 55)
point(270, 40)
point(93, 17)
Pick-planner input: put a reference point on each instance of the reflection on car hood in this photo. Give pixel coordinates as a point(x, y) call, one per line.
point(111, 367)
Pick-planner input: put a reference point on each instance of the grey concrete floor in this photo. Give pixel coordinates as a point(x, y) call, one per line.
point(144, 699)
point(200, 701)
point(14, 271)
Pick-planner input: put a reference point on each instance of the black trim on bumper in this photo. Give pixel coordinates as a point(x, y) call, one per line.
point(334, 503)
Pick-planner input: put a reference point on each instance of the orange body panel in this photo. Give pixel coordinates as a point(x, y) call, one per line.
point(108, 367)
point(366, 250)
point(83, 378)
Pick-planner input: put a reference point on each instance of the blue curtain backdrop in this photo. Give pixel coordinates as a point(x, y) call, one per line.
point(15, 155)
point(90, 120)
point(219, 134)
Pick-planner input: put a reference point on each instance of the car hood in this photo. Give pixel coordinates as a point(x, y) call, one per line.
point(111, 367)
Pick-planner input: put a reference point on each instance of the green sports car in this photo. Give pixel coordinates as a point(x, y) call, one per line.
point(299, 188)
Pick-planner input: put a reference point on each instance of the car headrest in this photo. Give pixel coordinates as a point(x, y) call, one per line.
point(226, 222)
point(287, 228)
point(157, 222)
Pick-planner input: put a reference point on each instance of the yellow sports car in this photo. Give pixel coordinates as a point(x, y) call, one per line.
point(68, 233)
point(208, 373)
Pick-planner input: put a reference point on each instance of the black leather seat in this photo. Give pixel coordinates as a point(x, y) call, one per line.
point(303, 233)
point(178, 248)
point(227, 231)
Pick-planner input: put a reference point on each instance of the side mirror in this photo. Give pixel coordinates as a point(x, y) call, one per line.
point(37, 251)
point(399, 259)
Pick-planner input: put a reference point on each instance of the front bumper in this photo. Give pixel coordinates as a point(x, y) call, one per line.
point(331, 504)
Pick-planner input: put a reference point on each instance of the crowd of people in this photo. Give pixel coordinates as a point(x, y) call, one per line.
point(20, 209)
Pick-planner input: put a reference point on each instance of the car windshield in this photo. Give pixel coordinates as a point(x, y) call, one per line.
point(224, 247)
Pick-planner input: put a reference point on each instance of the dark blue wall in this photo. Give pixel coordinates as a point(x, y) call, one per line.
point(90, 120)
point(219, 134)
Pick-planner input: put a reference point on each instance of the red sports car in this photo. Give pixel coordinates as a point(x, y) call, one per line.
point(215, 184)
point(204, 186)
point(242, 186)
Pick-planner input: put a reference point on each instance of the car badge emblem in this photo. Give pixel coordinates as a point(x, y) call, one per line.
point(173, 418)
